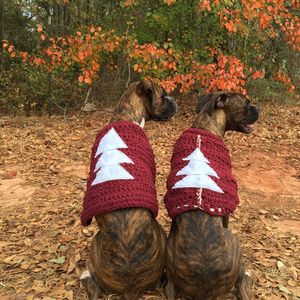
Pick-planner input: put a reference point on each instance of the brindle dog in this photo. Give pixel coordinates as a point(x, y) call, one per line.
point(204, 259)
point(128, 252)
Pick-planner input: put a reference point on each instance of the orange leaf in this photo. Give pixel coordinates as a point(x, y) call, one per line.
point(39, 28)
point(88, 80)
point(135, 67)
point(11, 174)
point(169, 2)
point(4, 45)
point(10, 49)
point(80, 78)
point(230, 26)
point(258, 74)
point(128, 2)
point(81, 55)
point(95, 66)
point(43, 37)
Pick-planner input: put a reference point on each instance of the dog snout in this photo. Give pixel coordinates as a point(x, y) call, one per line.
point(170, 98)
point(172, 103)
point(255, 109)
point(257, 106)
point(254, 113)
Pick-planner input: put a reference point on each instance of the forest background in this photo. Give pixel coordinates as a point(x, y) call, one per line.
point(58, 54)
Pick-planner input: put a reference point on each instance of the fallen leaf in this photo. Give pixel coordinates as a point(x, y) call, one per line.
point(69, 295)
point(292, 283)
point(280, 265)
point(283, 289)
point(9, 259)
point(11, 174)
point(25, 265)
point(73, 261)
point(59, 260)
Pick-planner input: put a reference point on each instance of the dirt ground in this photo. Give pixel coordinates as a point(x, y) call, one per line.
point(43, 170)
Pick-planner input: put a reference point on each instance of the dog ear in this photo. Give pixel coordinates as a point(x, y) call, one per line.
point(207, 103)
point(144, 88)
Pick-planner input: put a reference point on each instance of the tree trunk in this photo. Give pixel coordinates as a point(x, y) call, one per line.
point(49, 95)
point(58, 31)
point(79, 13)
point(65, 19)
point(87, 12)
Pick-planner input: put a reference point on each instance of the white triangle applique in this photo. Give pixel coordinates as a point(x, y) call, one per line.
point(196, 155)
point(114, 172)
point(197, 167)
point(111, 140)
point(108, 166)
point(198, 181)
point(197, 173)
point(112, 157)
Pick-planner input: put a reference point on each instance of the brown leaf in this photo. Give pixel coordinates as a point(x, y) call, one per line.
point(9, 259)
point(69, 295)
point(11, 174)
point(292, 283)
point(73, 261)
point(25, 265)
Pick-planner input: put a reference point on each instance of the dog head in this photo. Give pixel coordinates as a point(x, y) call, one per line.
point(157, 103)
point(240, 114)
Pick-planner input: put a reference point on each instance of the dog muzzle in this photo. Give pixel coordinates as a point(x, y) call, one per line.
point(201, 176)
point(122, 172)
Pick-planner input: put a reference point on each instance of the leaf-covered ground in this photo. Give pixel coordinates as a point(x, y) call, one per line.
point(44, 164)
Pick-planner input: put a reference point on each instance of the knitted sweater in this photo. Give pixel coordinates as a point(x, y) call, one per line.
point(122, 172)
point(201, 176)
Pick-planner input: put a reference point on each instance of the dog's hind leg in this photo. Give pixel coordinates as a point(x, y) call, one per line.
point(91, 285)
point(225, 221)
point(243, 285)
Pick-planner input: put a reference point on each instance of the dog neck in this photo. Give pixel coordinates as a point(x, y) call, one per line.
point(214, 123)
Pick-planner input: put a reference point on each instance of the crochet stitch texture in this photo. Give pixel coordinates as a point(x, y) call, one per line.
point(115, 194)
point(216, 154)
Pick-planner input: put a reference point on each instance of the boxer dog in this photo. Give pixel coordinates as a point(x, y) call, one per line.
point(203, 258)
point(128, 253)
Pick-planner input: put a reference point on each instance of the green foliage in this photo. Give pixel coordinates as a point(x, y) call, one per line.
point(269, 90)
point(26, 88)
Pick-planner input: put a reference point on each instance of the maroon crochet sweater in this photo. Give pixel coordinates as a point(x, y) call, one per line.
point(201, 176)
point(122, 172)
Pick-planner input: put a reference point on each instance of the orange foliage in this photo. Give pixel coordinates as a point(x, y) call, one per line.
point(281, 76)
point(129, 2)
point(269, 15)
point(39, 28)
point(170, 2)
point(170, 67)
point(205, 5)
point(4, 44)
point(295, 3)
point(258, 74)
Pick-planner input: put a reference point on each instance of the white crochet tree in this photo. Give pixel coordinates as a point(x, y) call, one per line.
point(108, 165)
point(198, 172)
